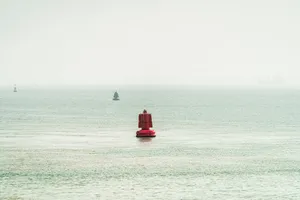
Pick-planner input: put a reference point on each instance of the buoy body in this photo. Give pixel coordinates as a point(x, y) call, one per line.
point(145, 123)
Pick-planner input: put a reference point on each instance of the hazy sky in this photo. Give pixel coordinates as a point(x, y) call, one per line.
point(149, 41)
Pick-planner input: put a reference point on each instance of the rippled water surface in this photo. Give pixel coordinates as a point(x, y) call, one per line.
point(211, 144)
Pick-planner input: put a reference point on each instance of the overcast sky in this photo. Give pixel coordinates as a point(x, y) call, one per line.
point(153, 41)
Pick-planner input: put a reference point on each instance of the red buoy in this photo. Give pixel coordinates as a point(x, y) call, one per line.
point(145, 123)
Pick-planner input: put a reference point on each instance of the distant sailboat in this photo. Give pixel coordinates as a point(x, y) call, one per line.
point(116, 96)
point(15, 88)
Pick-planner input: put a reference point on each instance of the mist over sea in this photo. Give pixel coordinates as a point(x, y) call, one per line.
point(76, 143)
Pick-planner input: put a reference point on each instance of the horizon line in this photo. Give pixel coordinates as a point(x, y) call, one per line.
point(219, 86)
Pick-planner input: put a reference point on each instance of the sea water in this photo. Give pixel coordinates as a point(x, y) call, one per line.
point(76, 143)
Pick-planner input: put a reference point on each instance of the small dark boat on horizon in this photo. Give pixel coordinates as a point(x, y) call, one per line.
point(15, 88)
point(116, 96)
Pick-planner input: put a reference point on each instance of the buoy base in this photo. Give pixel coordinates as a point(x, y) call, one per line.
point(145, 133)
point(145, 136)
